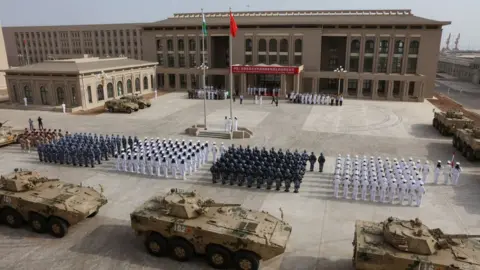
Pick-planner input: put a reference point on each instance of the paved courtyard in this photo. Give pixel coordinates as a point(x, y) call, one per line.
point(322, 226)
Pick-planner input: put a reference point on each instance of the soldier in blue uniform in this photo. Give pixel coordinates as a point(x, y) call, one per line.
point(40, 152)
point(98, 154)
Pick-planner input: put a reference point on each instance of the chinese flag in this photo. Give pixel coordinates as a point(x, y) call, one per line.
point(233, 25)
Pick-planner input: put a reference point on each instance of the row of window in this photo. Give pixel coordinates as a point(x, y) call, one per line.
point(381, 64)
point(75, 34)
point(75, 43)
point(59, 95)
point(383, 48)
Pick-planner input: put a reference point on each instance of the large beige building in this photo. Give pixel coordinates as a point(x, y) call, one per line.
point(3, 63)
point(387, 54)
point(81, 83)
point(34, 44)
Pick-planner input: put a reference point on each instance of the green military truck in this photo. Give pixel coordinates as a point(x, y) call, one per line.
point(121, 105)
point(140, 101)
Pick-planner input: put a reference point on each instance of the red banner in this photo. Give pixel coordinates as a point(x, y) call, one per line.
point(265, 70)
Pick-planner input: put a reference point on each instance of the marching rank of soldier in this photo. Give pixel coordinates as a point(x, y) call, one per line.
point(165, 158)
point(384, 180)
point(316, 99)
point(260, 168)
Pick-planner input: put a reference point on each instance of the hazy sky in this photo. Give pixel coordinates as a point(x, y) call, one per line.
point(462, 13)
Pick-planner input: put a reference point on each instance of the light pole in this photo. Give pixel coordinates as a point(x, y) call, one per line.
point(204, 68)
point(340, 71)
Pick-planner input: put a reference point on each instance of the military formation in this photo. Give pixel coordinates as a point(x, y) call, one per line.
point(209, 93)
point(451, 173)
point(316, 99)
point(35, 137)
point(79, 149)
point(163, 158)
point(260, 168)
point(380, 180)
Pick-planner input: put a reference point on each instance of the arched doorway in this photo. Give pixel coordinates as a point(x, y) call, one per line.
point(60, 95)
point(119, 88)
point(100, 93)
point(110, 90)
point(129, 86)
point(28, 93)
point(145, 83)
point(137, 84)
point(44, 95)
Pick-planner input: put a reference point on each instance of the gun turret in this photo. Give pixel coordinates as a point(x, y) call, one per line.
point(220, 204)
point(2, 123)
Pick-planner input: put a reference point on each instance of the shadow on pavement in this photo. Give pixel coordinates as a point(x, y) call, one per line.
point(118, 242)
point(425, 131)
point(310, 262)
point(467, 194)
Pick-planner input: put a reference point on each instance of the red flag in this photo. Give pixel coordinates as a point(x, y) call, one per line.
point(453, 158)
point(233, 25)
point(24, 42)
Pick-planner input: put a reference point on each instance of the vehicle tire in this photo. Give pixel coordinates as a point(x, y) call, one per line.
point(180, 250)
point(129, 110)
point(469, 154)
point(57, 227)
point(148, 105)
point(219, 257)
point(110, 109)
point(141, 106)
point(156, 245)
point(246, 260)
point(12, 218)
point(38, 223)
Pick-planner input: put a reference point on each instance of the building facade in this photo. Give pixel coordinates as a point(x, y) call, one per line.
point(388, 54)
point(81, 84)
point(464, 66)
point(34, 44)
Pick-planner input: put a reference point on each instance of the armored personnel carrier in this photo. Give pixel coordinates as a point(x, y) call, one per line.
point(182, 224)
point(409, 244)
point(48, 205)
point(447, 122)
point(467, 141)
point(120, 105)
point(8, 135)
point(140, 101)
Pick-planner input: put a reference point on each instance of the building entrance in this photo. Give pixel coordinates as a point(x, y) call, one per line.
point(269, 81)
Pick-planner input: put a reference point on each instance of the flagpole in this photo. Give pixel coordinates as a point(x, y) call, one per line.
point(203, 79)
point(230, 53)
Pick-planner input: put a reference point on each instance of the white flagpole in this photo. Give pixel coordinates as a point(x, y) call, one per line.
point(203, 78)
point(231, 75)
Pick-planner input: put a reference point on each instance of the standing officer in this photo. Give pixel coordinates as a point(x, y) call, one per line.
point(312, 159)
point(321, 162)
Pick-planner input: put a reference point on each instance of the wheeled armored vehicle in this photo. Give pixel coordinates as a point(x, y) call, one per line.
point(448, 122)
point(48, 205)
point(182, 224)
point(8, 135)
point(120, 105)
point(467, 141)
point(409, 244)
point(139, 100)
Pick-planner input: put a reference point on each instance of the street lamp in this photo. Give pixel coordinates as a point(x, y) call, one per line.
point(204, 68)
point(340, 71)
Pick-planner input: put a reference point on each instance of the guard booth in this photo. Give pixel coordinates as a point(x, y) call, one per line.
point(275, 80)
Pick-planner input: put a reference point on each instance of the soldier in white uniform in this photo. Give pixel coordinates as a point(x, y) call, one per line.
point(365, 185)
point(402, 190)
point(447, 171)
point(226, 124)
point(222, 149)
point(173, 167)
point(383, 190)
point(412, 190)
point(118, 162)
point(420, 192)
point(183, 169)
point(373, 190)
point(425, 170)
point(336, 185)
point(355, 185)
point(456, 173)
point(214, 152)
point(437, 171)
point(229, 125)
point(346, 185)
point(392, 190)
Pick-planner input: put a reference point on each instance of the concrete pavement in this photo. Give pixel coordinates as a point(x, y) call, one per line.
point(322, 226)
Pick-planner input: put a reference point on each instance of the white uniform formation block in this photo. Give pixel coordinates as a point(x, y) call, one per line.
point(380, 180)
point(164, 158)
point(315, 99)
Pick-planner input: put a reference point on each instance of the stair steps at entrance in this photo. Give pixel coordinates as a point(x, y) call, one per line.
point(214, 134)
